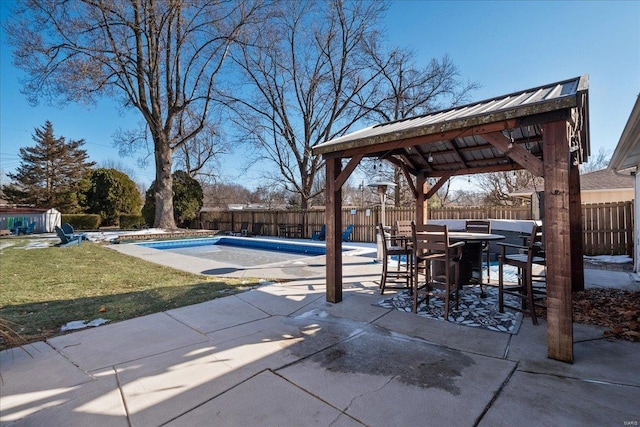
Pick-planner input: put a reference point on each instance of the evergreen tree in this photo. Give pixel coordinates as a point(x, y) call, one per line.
point(111, 194)
point(52, 174)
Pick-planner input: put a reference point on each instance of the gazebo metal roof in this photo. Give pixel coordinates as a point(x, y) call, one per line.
point(454, 142)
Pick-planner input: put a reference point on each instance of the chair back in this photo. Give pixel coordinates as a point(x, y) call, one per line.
point(478, 226)
point(430, 239)
point(535, 241)
point(403, 228)
point(346, 235)
point(64, 238)
point(67, 228)
point(384, 238)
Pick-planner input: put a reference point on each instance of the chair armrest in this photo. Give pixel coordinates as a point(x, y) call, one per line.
point(456, 244)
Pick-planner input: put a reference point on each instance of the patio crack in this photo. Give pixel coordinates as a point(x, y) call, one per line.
point(122, 397)
point(496, 395)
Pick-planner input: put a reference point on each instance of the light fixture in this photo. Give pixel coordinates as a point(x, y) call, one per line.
point(430, 158)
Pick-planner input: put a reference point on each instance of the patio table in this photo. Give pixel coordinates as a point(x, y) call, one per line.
point(471, 262)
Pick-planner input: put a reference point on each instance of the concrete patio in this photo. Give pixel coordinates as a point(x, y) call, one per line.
point(280, 355)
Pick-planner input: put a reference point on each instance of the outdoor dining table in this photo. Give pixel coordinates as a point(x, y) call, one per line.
point(471, 262)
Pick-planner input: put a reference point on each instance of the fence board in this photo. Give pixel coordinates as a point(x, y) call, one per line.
point(607, 227)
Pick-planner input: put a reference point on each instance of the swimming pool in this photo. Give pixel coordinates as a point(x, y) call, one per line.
point(240, 251)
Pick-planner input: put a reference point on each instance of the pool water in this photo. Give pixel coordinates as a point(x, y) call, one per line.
point(238, 251)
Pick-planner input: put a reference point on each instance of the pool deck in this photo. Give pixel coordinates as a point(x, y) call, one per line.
point(280, 355)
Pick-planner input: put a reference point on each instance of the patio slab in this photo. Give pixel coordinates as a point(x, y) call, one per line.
point(596, 358)
point(97, 402)
point(383, 379)
point(448, 334)
point(190, 376)
point(283, 299)
point(217, 314)
point(121, 342)
point(549, 400)
point(265, 400)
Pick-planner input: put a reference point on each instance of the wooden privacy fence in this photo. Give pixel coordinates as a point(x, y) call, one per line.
point(608, 227)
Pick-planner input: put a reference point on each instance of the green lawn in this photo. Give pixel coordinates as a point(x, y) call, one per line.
point(44, 288)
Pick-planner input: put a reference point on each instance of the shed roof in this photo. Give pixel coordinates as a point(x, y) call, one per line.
point(454, 141)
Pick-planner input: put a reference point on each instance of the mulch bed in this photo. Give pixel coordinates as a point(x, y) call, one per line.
point(615, 309)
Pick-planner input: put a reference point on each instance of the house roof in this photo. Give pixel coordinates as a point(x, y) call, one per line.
point(462, 140)
point(600, 180)
point(627, 153)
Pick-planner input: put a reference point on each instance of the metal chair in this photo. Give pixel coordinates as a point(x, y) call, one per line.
point(431, 246)
point(394, 250)
point(530, 289)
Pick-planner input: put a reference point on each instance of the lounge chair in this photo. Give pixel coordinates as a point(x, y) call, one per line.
point(346, 235)
point(244, 229)
point(67, 239)
point(16, 228)
point(256, 229)
point(320, 235)
point(69, 231)
point(28, 229)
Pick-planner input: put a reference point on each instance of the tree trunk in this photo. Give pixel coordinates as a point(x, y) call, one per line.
point(164, 187)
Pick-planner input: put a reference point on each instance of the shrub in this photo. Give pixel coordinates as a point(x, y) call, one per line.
point(82, 221)
point(132, 221)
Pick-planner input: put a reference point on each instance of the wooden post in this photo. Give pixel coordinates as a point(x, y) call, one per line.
point(421, 207)
point(575, 219)
point(558, 241)
point(333, 218)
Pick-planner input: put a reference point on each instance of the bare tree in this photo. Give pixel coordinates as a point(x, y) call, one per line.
point(303, 70)
point(199, 156)
point(600, 161)
point(158, 57)
point(497, 186)
point(406, 90)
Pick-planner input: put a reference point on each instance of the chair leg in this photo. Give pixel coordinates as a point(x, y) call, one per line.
point(415, 284)
point(500, 288)
point(447, 293)
point(383, 280)
point(488, 258)
point(531, 307)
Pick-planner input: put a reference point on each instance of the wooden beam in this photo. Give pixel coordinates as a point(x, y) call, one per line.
point(485, 169)
point(346, 173)
point(575, 219)
point(421, 206)
point(432, 191)
point(515, 152)
point(409, 177)
point(558, 242)
point(333, 220)
point(386, 146)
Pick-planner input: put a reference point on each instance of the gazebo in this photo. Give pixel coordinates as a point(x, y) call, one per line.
point(544, 130)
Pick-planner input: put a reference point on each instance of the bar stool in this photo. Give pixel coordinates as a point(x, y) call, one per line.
point(399, 249)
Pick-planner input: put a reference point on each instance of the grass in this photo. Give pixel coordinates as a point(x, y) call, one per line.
point(44, 288)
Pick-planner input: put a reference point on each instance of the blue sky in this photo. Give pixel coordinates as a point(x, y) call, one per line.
point(505, 46)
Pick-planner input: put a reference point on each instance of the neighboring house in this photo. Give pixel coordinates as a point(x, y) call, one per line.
point(627, 155)
point(602, 186)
